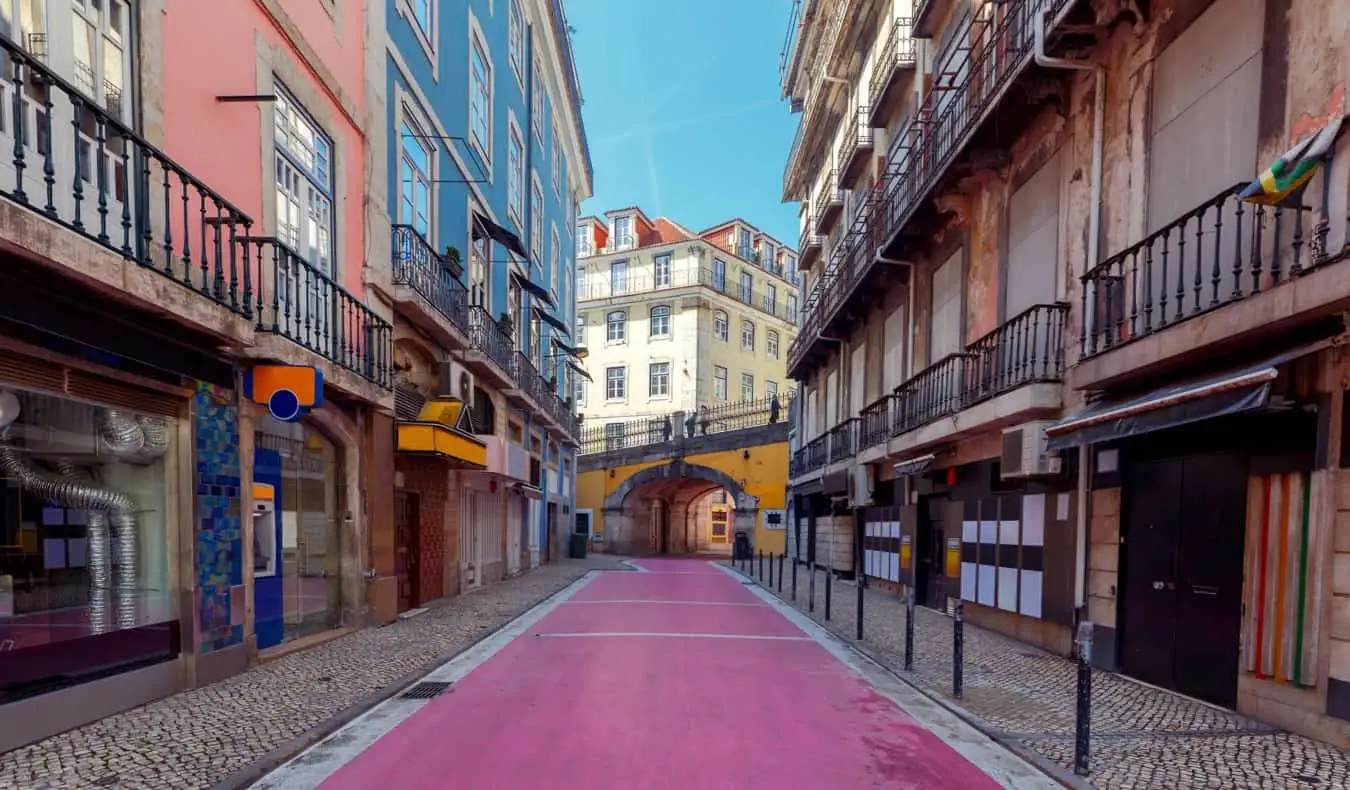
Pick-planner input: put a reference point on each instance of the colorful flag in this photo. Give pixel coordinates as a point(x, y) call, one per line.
point(1282, 183)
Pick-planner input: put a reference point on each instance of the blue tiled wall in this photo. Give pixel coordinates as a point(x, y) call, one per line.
point(219, 533)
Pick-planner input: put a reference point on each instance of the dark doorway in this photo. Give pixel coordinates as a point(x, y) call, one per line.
point(1182, 573)
point(928, 547)
point(405, 548)
point(551, 527)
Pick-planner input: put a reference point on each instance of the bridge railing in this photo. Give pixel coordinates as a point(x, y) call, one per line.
point(664, 428)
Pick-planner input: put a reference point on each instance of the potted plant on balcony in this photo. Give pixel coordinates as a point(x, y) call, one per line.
point(508, 326)
point(553, 383)
point(452, 257)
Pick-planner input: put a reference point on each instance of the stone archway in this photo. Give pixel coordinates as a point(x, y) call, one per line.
point(626, 515)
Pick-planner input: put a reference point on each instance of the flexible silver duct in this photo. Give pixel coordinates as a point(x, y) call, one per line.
point(98, 561)
point(156, 433)
point(69, 493)
point(121, 432)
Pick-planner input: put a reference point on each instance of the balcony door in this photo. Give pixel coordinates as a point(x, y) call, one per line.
point(1024, 344)
point(305, 289)
point(941, 394)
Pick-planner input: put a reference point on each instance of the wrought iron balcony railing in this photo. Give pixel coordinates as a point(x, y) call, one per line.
point(1219, 252)
point(639, 283)
point(74, 162)
point(306, 306)
point(489, 338)
point(663, 428)
point(430, 274)
point(811, 457)
point(898, 53)
point(843, 440)
point(855, 145)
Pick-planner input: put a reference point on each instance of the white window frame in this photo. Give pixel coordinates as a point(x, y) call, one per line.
point(293, 172)
point(515, 172)
point(747, 386)
point(719, 275)
point(425, 29)
point(771, 298)
point(611, 379)
point(622, 241)
point(747, 335)
point(660, 273)
point(579, 391)
point(554, 259)
point(583, 240)
point(556, 163)
point(661, 370)
point(581, 282)
point(661, 311)
point(516, 42)
point(747, 287)
point(536, 217)
point(537, 104)
point(771, 341)
point(770, 388)
point(410, 121)
point(478, 44)
point(616, 268)
point(616, 327)
point(721, 326)
point(719, 383)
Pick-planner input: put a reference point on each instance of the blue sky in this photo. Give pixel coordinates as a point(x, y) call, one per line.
point(682, 109)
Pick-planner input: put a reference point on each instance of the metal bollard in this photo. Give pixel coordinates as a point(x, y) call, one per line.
point(811, 606)
point(861, 578)
point(794, 579)
point(782, 558)
point(958, 649)
point(771, 562)
point(1082, 739)
point(761, 565)
point(829, 577)
point(909, 631)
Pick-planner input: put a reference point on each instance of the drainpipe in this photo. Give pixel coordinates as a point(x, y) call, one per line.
point(1094, 231)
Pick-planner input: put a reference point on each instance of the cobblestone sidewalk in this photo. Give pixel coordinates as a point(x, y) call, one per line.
point(201, 737)
point(1142, 737)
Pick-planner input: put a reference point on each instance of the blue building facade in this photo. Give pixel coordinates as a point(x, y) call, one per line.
point(487, 162)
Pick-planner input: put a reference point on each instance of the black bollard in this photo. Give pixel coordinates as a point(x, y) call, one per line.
point(794, 579)
point(958, 649)
point(909, 631)
point(1082, 740)
point(828, 586)
point(761, 565)
point(782, 558)
point(861, 578)
point(811, 589)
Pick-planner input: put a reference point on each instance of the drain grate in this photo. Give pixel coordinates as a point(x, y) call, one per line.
point(427, 690)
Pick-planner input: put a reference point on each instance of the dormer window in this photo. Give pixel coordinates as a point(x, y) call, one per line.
point(583, 239)
point(623, 233)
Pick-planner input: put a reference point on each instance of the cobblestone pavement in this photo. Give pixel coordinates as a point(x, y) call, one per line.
point(200, 737)
point(1142, 737)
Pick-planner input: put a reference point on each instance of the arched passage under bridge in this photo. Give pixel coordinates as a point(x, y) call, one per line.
point(669, 509)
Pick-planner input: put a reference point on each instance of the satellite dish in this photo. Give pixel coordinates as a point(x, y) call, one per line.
point(9, 408)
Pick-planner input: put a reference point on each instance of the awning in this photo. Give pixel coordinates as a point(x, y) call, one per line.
point(552, 321)
point(572, 351)
point(532, 288)
point(528, 491)
point(579, 370)
point(433, 438)
point(500, 235)
point(914, 466)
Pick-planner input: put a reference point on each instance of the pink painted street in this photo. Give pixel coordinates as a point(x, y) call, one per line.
point(674, 676)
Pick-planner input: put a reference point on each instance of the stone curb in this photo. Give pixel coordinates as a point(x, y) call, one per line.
point(253, 772)
point(1048, 767)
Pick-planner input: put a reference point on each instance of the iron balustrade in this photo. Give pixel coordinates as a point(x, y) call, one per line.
point(857, 138)
point(525, 375)
point(843, 440)
point(875, 426)
point(1026, 349)
point(74, 161)
point(934, 392)
point(1219, 252)
point(651, 430)
point(815, 453)
point(747, 252)
point(489, 338)
point(430, 274)
point(898, 53)
point(306, 306)
point(638, 283)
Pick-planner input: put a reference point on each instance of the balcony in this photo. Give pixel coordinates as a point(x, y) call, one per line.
point(651, 431)
point(640, 283)
point(843, 440)
point(856, 148)
point(928, 15)
point(1214, 257)
point(525, 384)
point(811, 458)
point(829, 202)
point(427, 289)
point(892, 73)
point(810, 245)
point(490, 349)
point(1025, 350)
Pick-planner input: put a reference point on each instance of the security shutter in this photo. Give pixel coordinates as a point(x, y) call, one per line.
point(44, 376)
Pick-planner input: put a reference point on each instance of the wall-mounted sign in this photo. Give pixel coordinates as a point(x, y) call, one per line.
point(288, 391)
point(905, 551)
point(774, 519)
point(953, 563)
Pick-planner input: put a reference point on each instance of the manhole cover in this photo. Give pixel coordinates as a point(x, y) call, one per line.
point(425, 691)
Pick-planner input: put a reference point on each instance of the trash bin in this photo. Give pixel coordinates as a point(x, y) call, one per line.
point(740, 548)
point(576, 549)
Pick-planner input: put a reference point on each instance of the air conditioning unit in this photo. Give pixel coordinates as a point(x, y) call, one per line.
point(456, 382)
point(1024, 454)
point(862, 482)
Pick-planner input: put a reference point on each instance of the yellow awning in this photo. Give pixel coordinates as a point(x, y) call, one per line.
point(433, 438)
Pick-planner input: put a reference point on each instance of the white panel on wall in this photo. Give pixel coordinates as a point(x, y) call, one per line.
point(988, 532)
point(968, 570)
point(895, 568)
point(1007, 532)
point(1031, 594)
point(987, 582)
point(1033, 520)
point(1007, 589)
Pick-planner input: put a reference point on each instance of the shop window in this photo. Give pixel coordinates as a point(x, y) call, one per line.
point(83, 536)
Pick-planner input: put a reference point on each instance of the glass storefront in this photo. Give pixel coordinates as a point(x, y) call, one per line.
point(310, 559)
point(84, 576)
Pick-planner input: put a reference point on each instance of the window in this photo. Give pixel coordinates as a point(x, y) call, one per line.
point(770, 389)
point(581, 283)
point(537, 102)
point(616, 384)
point(747, 336)
point(660, 321)
point(583, 242)
point(771, 299)
point(480, 98)
point(535, 326)
point(719, 382)
point(719, 274)
point(478, 279)
point(580, 393)
point(720, 325)
point(747, 387)
point(101, 69)
point(304, 184)
point(616, 327)
point(422, 15)
point(415, 174)
point(581, 327)
point(614, 434)
point(623, 233)
point(771, 342)
point(557, 163)
point(618, 278)
point(661, 270)
point(658, 380)
point(515, 176)
point(536, 218)
point(517, 51)
point(792, 307)
point(747, 287)
point(554, 258)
